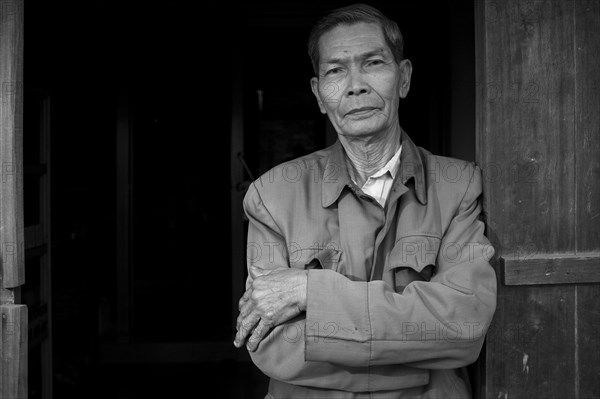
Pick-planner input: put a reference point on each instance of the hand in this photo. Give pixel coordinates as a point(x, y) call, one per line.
point(275, 296)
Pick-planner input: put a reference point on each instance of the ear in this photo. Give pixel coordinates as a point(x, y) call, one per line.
point(405, 74)
point(314, 85)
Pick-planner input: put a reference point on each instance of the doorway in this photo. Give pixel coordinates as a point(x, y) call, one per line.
point(160, 117)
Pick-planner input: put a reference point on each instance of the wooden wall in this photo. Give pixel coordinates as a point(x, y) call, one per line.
point(538, 142)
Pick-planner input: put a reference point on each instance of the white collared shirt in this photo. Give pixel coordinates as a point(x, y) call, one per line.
point(379, 184)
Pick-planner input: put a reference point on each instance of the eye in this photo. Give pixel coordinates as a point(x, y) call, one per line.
point(333, 71)
point(374, 62)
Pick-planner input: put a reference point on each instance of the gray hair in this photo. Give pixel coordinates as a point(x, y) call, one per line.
point(350, 15)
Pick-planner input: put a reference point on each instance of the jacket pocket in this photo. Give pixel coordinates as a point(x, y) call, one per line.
point(413, 258)
point(315, 258)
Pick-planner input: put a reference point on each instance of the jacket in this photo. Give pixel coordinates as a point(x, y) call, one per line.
point(399, 297)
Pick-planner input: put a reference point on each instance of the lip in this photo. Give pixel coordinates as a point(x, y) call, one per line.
point(362, 111)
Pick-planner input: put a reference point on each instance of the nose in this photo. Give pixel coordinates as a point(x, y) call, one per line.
point(356, 84)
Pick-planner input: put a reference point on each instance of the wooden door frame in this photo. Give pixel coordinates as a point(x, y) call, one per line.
point(14, 319)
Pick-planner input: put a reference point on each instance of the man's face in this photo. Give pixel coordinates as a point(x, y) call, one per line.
point(359, 84)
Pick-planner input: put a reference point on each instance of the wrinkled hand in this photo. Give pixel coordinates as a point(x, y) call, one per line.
point(275, 296)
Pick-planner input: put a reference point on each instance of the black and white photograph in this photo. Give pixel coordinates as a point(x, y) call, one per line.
point(292, 199)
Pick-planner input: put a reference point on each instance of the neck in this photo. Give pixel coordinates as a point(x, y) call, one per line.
point(366, 155)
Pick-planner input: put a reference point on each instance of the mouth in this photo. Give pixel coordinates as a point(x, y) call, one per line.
point(362, 111)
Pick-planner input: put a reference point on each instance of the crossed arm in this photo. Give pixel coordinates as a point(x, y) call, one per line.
point(274, 297)
point(382, 338)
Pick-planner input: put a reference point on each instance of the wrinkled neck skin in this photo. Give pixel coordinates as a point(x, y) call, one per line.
point(366, 155)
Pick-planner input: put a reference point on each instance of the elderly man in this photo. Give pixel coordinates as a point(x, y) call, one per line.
point(368, 266)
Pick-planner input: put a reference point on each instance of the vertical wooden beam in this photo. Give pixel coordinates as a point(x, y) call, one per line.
point(12, 267)
point(13, 351)
point(587, 123)
point(13, 318)
point(587, 164)
point(525, 147)
point(238, 241)
point(123, 170)
point(539, 144)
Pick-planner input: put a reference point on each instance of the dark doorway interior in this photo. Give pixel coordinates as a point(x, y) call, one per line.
point(174, 63)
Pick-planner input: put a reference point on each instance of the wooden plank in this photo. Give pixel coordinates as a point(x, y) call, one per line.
point(11, 144)
point(569, 269)
point(13, 318)
point(587, 134)
point(529, 350)
point(10, 295)
point(587, 325)
point(13, 348)
point(587, 124)
point(525, 145)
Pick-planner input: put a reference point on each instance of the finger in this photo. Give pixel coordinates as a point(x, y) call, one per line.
point(247, 307)
point(246, 326)
point(245, 310)
point(241, 334)
point(238, 322)
point(257, 335)
point(245, 297)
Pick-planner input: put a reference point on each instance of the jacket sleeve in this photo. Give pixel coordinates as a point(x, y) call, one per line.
point(281, 354)
point(436, 324)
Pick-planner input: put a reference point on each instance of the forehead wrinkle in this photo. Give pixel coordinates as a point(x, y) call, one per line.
point(362, 34)
point(353, 58)
point(362, 55)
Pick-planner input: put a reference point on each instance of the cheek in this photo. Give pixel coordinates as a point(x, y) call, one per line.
point(389, 89)
point(330, 94)
point(391, 96)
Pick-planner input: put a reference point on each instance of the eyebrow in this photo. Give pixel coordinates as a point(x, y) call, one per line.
point(378, 51)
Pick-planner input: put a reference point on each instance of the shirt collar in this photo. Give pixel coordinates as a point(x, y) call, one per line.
point(391, 167)
point(336, 176)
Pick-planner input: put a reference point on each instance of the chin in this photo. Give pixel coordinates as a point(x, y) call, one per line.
point(361, 130)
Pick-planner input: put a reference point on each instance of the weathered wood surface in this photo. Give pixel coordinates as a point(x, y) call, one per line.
point(13, 318)
point(570, 269)
point(538, 134)
point(587, 164)
point(11, 144)
point(13, 351)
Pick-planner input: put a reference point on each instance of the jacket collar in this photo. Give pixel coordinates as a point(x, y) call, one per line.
point(336, 176)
